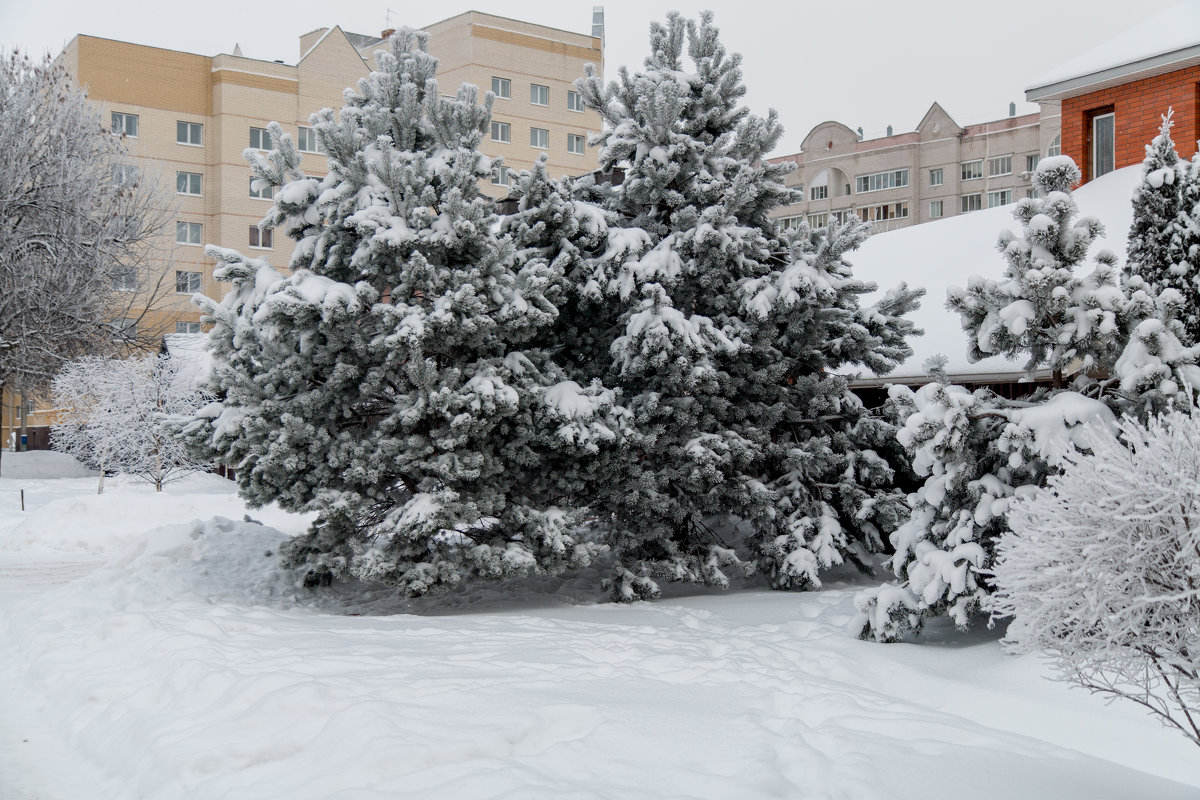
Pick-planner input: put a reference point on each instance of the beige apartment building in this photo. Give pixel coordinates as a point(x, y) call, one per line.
point(938, 170)
point(188, 118)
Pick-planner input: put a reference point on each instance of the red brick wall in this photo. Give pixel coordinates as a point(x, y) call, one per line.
point(1138, 106)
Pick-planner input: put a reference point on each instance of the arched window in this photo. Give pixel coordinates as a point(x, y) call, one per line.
point(1055, 148)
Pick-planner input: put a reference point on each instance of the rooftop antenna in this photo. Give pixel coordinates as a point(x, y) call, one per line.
point(387, 19)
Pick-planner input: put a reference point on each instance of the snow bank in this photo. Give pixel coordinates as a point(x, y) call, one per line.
point(41, 464)
point(938, 255)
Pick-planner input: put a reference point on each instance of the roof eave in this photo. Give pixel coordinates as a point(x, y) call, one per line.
point(1103, 79)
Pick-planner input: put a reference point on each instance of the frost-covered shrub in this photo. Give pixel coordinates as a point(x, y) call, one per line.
point(116, 417)
point(1101, 568)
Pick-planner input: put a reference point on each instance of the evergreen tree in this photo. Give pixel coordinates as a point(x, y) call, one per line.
point(389, 384)
point(1184, 273)
point(688, 301)
point(1153, 249)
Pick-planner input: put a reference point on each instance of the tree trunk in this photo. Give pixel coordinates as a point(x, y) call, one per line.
point(100, 488)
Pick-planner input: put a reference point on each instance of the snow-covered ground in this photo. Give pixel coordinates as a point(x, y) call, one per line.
point(148, 649)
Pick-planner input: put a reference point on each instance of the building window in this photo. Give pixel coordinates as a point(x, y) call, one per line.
point(125, 329)
point(936, 209)
point(191, 133)
point(187, 327)
point(574, 101)
point(265, 190)
point(259, 139)
point(1001, 198)
point(575, 143)
point(124, 176)
point(935, 177)
point(539, 137)
point(124, 278)
point(843, 216)
point(1055, 148)
point(187, 282)
point(501, 132)
point(971, 202)
point(125, 124)
point(501, 87)
point(187, 233)
point(307, 141)
point(790, 223)
point(972, 170)
point(539, 95)
point(1000, 165)
point(188, 182)
point(818, 220)
point(885, 212)
point(1031, 163)
point(891, 179)
point(500, 176)
point(261, 237)
point(1104, 144)
point(818, 193)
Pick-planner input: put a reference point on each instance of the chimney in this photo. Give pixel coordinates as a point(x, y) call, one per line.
point(889, 129)
point(860, 133)
point(1012, 109)
point(387, 34)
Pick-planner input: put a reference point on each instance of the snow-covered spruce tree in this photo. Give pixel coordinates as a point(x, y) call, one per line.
point(385, 384)
point(1102, 568)
point(1184, 274)
point(831, 464)
point(978, 450)
point(116, 417)
point(689, 299)
point(1152, 244)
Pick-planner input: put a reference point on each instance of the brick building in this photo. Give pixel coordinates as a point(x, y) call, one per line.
point(1113, 97)
point(189, 117)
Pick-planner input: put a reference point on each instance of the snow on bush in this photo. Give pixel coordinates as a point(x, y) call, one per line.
point(1101, 568)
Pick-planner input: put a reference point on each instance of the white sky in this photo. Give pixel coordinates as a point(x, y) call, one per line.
point(866, 63)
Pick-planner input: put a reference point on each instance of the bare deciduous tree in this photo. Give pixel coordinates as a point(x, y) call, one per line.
point(80, 243)
point(116, 415)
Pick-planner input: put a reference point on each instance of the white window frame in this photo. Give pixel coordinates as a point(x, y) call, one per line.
point(120, 124)
point(539, 138)
point(1031, 162)
point(971, 170)
point(189, 233)
point(818, 192)
point(575, 101)
point(879, 181)
point(968, 200)
point(187, 327)
point(264, 138)
point(185, 181)
point(886, 212)
point(501, 176)
point(1000, 197)
point(502, 88)
point(501, 132)
point(124, 278)
point(1055, 148)
point(188, 281)
point(125, 176)
point(184, 131)
point(576, 144)
point(936, 177)
point(999, 166)
point(818, 220)
point(1112, 160)
point(790, 223)
point(261, 238)
point(937, 209)
point(307, 140)
point(266, 193)
point(539, 95)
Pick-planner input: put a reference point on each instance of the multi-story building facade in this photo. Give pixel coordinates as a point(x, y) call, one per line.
point(939, 170)
point(188, 118)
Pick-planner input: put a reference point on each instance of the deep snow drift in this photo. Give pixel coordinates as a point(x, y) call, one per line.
point(185, 666)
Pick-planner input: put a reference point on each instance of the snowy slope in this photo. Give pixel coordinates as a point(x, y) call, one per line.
point(187, 667)
point(945, 253)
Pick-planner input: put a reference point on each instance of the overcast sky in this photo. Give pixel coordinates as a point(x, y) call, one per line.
point(866, 63)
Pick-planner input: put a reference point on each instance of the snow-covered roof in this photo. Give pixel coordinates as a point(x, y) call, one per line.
point(1165, 42)
point(945, 253)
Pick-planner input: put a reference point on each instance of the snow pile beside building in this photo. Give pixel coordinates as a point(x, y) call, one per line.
point(938, 255)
